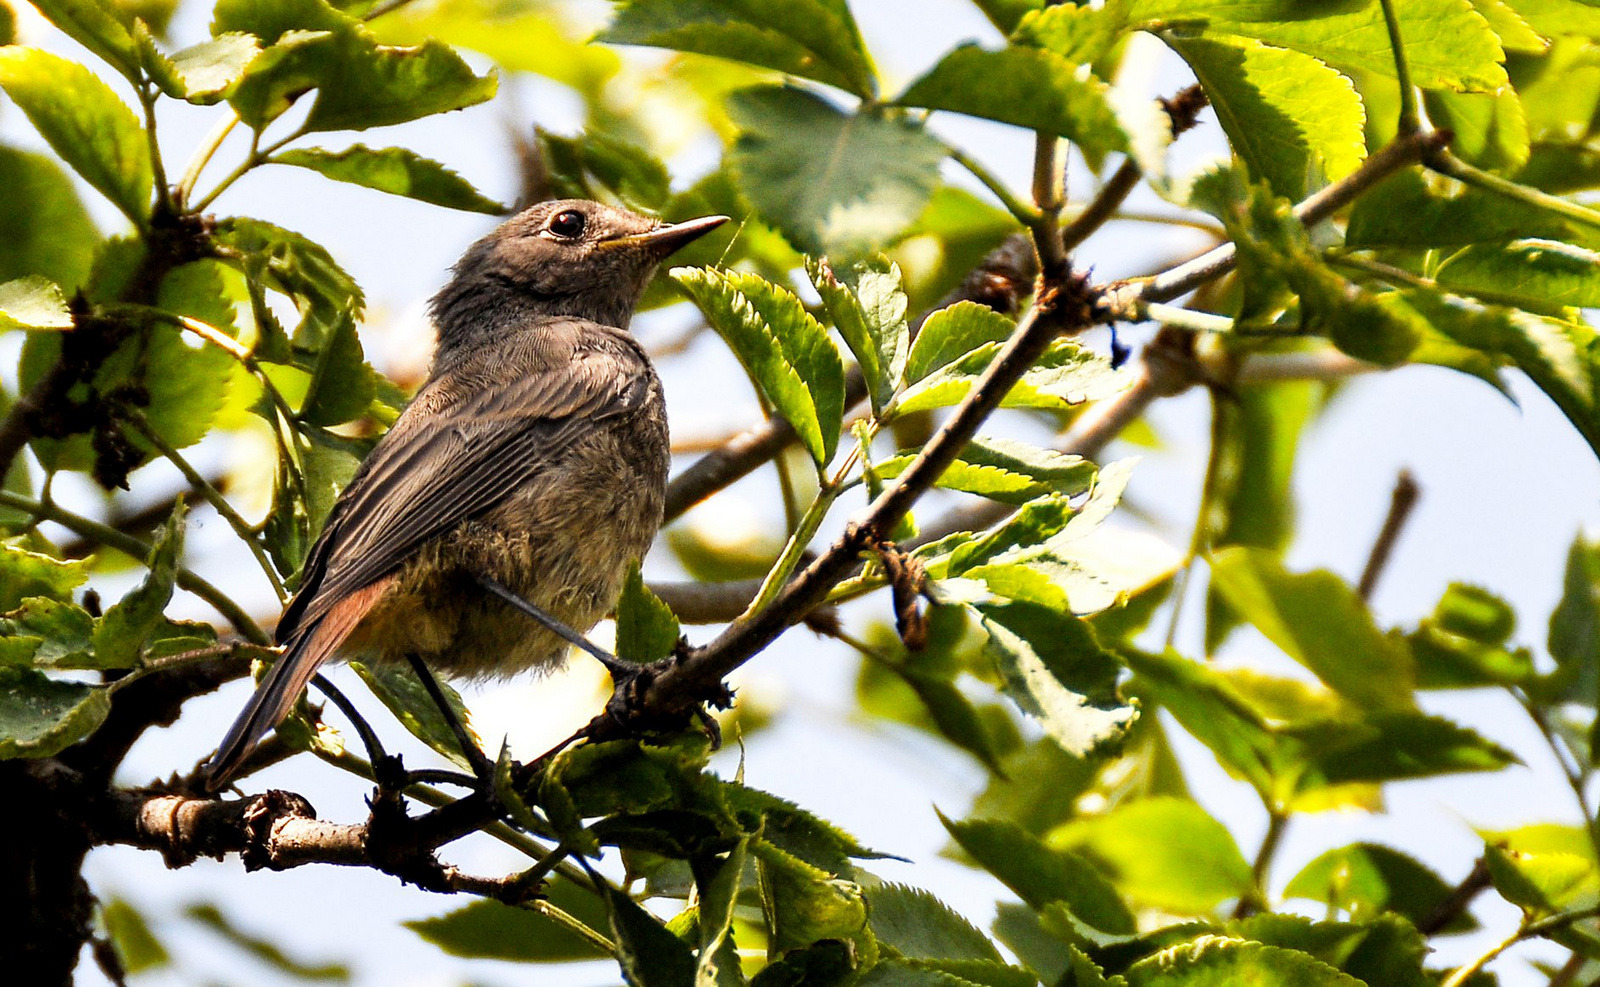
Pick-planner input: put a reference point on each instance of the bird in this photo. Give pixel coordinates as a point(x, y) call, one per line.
point(533, 459)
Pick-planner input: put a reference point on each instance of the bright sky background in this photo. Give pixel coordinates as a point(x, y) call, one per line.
point(1504, 490)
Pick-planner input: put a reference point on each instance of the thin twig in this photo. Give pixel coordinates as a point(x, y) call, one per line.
point(1401, 503)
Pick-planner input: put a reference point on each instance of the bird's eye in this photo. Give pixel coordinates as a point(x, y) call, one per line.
point(568, 223)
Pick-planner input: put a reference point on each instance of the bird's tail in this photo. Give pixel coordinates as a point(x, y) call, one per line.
point(286, 679)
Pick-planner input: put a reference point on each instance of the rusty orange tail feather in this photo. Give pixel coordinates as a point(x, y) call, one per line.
point(284, 681)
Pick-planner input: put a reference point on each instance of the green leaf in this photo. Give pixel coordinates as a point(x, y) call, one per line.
point(1543, 884)
point(895, 973)
point(868, 308)
point(1082, 35)
point(398, 687)
point(796, 831)
point(41, 716)
point(283, 260)
point(44, 229)
point(804, 904)
point(1320, 622)
point(84, 122)
point(1409, 210)
point(829, 963)
point(1491, 129)
point(1397, 746)
point(1167, 853)
point(647, 629)
point(46, 633)
point(1365, 879)
point(121, 634)
point(1274, 247)
point(1540, 275)
point(918, 926)
point(269, 20)
point(785, 350)
point(359, 83)
point(839, 184)
point(202, 74)
point(951, 333)
point(33, 303)
point(395, 170)
point(1054, 669)
point(24, 574)
point(1448, 44)
point(342, 386)
point(1005, 470)
point(264, 950)
point(1221, 961)
point(1574, 639)
point(630, 172)
point(1065, 375)
point(1026, 87)
point(1004, 14)
point(1462, 644)
point(717, 880)
point(814, 39)
point(1296, 122)
point(488, 929)
point(1041, 874)
point(92, 24)
point(137, 947)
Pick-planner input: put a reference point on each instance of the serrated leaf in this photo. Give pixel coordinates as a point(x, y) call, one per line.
point(784, 349)
point(1319, 621)
point(1066, 374)
point(1540, 275)
point(41, 716)
point(1448, 44)
point(647, 629)
point(918, 926)
point(44, 229)
point(33, 303)
point(1542, 884)
point(398, 687)
point(1219, 961)
point(1462, 644)
point(46, 633)
point(814, 39)
point(121, 634)
point(1055, 670)
point(951, 333)
point(396, 170)
point(490, 930)
point(1574, 637)
point(1407, 210)
point(202, 74)
point(868, 307)
point(359, 84)
point(1026, 87)
point(269, 20)
point(84, 122)
point(342, 386)
point(1395, 746)
point(1041, 874)
point(1166, 853)
point(804, 904)
point(718, 880)
point(1491, 129)
point(1082, 35)
point(628, 171)
point(844, 185)
point(1296, 122)
point(92, 24)
point(24, 574)
point(1365, 879)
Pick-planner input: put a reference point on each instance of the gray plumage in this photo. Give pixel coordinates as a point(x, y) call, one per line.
point(536, 454)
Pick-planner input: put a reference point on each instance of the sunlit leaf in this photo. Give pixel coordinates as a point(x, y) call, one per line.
point(33, 303)
point(41, 716)
point(395, 170)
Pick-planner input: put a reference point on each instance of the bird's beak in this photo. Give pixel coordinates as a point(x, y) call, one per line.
point(663, 240)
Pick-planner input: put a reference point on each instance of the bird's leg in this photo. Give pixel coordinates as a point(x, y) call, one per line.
point(482, 767)
point(620, 668)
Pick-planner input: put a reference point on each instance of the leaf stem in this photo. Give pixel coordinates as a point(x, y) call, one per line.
point(804, 531)
point(1024, 213)
point(147, 101)
point(1410, 119)
point(1528, 930)
point(1184, 318)
point(202, 157)
point(1446, 163)
point(1047, 195)
point(214, 497)
point(1277, 824)
point(133, 547)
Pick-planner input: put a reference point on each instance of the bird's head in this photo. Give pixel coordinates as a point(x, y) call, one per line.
point(568, 257)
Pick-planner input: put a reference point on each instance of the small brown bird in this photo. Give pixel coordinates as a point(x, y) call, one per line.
point(535, 456)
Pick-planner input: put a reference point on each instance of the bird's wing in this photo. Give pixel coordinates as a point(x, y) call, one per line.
point(439, 466)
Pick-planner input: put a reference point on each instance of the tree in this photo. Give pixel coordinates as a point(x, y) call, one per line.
point(1405, 187)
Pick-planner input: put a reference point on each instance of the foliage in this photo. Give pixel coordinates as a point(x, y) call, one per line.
point(1022, 633)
